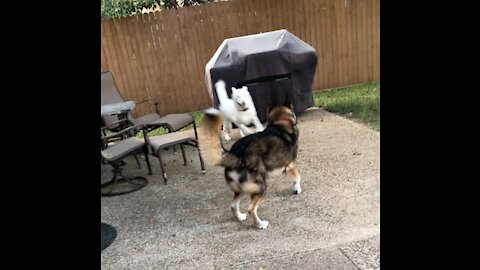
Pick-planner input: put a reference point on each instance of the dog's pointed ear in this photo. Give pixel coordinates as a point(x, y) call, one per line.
point(245, 88)
point(234, 89)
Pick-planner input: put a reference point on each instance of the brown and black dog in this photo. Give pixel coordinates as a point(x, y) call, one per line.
point(252, 159)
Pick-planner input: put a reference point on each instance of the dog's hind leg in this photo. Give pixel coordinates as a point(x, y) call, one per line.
point(236, 206)
point(293, 173)
point(257, 189)
point(252, 210)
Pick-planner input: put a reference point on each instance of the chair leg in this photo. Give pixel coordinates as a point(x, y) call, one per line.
point(200, 156)
point(183, 154)
point(195, 129)
point(170, 130)
point(138, 162)
point(147, 160)
point(113, 182)
point(161, 166)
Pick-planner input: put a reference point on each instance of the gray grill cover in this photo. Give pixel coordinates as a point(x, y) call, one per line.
point(275, 66)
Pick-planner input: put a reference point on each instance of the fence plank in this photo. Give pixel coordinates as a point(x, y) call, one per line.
point(302, 25)
point(209, 30)
point(335, 46)
point(161, 68)
point(307, 26)
point(321, 45)
point(218, 29)
point(175, 55)
point(104, 63)
point(353, 26)
point(314, 27)
point(141, 32)
point(251, 6)
point(348, 43)
point(123, 58)
point(364, 39)
point(130, 70)
point(340, 45)
point(375, 39)
point(138, 92)
point(369, 28)
point(112, 55)
point(328, 45)
point(263, 13)
point(360, 35)
point(188, 47)
point(283, 5)
point(136, 64)
point(199, 43)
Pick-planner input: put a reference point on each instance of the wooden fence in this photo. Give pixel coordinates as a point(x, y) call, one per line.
point(163, 54)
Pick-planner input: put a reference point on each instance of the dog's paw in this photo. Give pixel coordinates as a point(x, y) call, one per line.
point(297, 189)
point(263, 224)
point(242, 216)
point(227, 137)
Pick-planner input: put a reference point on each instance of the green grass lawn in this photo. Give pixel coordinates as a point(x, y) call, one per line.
point(359, 102)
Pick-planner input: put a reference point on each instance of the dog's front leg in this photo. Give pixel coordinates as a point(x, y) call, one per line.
point(227, 126)
point(244, 130)
point(258, 125)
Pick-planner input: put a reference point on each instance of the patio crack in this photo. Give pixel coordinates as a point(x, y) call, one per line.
point(349, 258)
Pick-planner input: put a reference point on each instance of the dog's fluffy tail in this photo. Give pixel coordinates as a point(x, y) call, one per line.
point(210, 144)
point(221, 90)
point(209, 137)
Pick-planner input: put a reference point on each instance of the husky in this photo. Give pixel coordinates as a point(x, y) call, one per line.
point(239, 110)
point(253, 158)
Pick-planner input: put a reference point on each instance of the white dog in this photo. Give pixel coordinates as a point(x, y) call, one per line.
point(239, 110)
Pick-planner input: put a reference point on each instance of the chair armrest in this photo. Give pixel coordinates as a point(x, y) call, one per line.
point(119, 133)
point(117, 122)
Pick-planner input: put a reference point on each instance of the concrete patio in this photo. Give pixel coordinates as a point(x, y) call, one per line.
point(187, 224)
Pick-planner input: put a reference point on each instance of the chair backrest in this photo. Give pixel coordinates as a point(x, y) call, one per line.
point(109, 95)
point(110, 92)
